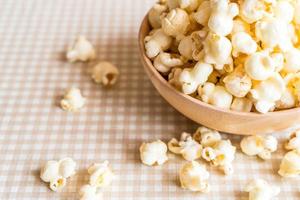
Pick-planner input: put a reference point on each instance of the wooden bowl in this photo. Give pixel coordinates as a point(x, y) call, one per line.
point(216, 118)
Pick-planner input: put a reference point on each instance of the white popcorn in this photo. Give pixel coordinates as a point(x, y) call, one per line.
point(290, 164)
point(208, 154)
point(297, 13)
point(203, 13)
point(164, 62)
point(217, 50)
point(187, 147)
point(273, 32)
point(154, 15)
point(260, 66)
point(173, 78)
point(261, 146)
point(192, 78)
point(278, 59)
point(176, 22)
point(240, 25)
point(287, 100)
point(284, 10)
point(88, 192)
point(56, 172)
point(259, 189)
point(154, 153)
point(221, 18)
point(81, 50)
point(267, 92)
point(238, 83)
point(294, 141)
point(243, 43)
point(185, 47)
point(105, 73)
point(72, 100)
point(194, 176)
point(252, 10)
point(224, 156)
point(189, 5)
point(206, 137)
point(100, 175)
point(291, 60)
point(215, 95)
point(157, 42)
point(241, 104)
point(293, 84)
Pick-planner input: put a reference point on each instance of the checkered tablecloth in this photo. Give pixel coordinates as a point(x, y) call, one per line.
point(34, 35)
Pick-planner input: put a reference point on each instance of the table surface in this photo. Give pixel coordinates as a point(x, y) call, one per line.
point(34, 36)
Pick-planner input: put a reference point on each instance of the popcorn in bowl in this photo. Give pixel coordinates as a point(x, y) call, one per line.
point(238, 55)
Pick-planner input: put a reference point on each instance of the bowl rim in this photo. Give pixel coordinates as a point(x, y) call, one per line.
point(163, 81)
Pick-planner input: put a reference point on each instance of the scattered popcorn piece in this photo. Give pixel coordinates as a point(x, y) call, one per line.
point(56, 172)
point(259, 189)
point(164, 62)
point(215, 95)
point(194, 176)
point(243, 43)
point(154, 14)
point(187, 147)
point(206, 137)
point(203, 13)
point(241, 104)
point(238, 83)
point(100, 175)
point(88, 192)
point(261, 146)
point(221, 18)
point(267, 93)
point(157, 42)
point(208, 154)
point(176, 22)
point(217, 50)
point(294, 141)
point(224, 156)
point(154, 152)
point(72, 100)
point(290, 164)
point(192, 78)
point(105, 73)
point(81, 50)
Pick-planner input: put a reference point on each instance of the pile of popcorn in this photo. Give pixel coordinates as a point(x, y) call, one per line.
point(207, 145)
point(241, 55)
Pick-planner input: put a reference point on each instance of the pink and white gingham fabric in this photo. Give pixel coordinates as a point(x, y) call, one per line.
point(34, 35)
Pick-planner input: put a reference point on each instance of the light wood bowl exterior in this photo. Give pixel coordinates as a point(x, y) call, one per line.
point(216, 118)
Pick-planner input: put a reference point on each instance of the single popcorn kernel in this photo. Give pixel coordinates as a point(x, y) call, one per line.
point(176, 22)
point(157, 42)
point(105, 73)
point(81, 50)
point(262, 146)
point(206, 137)
point(88, 192)
point(72, 100)
point(194, 176)
point(221, 18)
point(191, 79)
point(154, 14)
point(56, 173)
point(100, 175)
point(294, 141)
point(290, 164)
point(164, 62)
point(259, 189)
point(187, 147)
point(241, 104)
point(154, 153)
